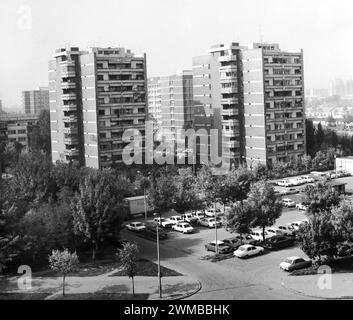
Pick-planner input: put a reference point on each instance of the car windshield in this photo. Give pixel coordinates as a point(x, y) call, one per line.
point(242, 249)
point(185, 225)
point(288, 261)
point(139, 224)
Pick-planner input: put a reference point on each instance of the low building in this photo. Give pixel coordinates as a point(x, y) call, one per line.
point(344, 164)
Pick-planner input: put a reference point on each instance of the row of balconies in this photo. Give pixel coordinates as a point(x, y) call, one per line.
point(73, 152)
point(70, 119)
point(69, 107)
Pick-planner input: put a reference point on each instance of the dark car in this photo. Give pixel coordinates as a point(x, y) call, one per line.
point(151, 232)
point(222, 247)
point(234, 243)
point(278, 242)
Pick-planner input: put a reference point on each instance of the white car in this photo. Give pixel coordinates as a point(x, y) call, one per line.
point(274, 231)
point(183, 227)
point(258, 235)
point(307, 179)
point(165, 223)
point(293, 263)
point(301, 206)
point(209, 222)
point(136, 226)
point(285, 183)
point(286, 230)
point(247, 251)
point(297, 181)
point(188, 217)
point(175, 219)
point(288, 203)
point(199, 214)
point(212, 212)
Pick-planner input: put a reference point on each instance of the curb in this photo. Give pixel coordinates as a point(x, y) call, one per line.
point(313, 296)
point(184, 296)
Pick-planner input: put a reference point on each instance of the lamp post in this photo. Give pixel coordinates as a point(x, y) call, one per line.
point(215, 215)
point(158, 262)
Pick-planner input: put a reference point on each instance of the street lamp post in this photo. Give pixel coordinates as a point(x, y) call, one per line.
point(159, 264)
point(215, 214)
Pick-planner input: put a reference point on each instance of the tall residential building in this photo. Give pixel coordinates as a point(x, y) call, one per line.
point(155, 104)
point(94, 96)
point(274, 101)
point(1, 107)
point(34, 101)
point(254, 97)
point(16, 127)
point(170, 101)
point(218, 102)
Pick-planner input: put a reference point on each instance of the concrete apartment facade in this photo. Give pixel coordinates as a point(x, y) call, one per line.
point(155, 105)
point(274, 105)
point(96, 95)
point(16, 127)
point(34, 101)
point(170, 101)
point(254, 96)
point(218, 98)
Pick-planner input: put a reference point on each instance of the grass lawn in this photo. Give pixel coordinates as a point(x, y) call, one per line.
point(103, 296)
point(23, 296)
point(148, 269)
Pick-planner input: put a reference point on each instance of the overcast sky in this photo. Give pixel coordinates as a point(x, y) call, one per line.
point(170, 32)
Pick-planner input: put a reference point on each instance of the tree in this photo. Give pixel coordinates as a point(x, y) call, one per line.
point(239, 218)
point(265, 204)
point(319, 135)
point(48, 227)
point(162, 193)
point(63, 262)
point(310, 137)
point(128, 258)
point(97, 208)
point(320, 197)
point(39, 135)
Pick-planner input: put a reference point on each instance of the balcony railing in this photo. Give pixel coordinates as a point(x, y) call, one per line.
point(230, 112)
point(227, 58)
point(70, 130)
point(71, 152)
point(68, 96)
point(229, 101)
point(70, 119)
point(229, 90)
point(71, 140)
point(69, 107)
point(68, 85)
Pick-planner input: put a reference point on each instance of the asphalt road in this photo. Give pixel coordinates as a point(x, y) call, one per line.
point(232, 279)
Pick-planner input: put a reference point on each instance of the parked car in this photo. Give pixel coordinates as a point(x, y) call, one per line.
point(209, 222)
point(307, 179)
point(274, 231)
point(246, 239)
point(297, 224)
point(165, 223)
point(189, 217)
point(199, 214)
point(183, 227)
point(285, 183)
point(258, 235)
point(298, 181)
point(288, 203)
point(151, 231)
point(234, 243)
point(294, 263)
point(278, 242)
point(301, 206)
point(287, 230)
point(212, 212)
point(136, 226)
point(175, 219)
point(222, 247)
point(248, 250)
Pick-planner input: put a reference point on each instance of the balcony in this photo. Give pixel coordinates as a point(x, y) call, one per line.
point(229, 101)
point(228, 78)
point(230, 133)
point(68, 63)
point(71, 140)
point(68, 85)
point(70, 130)
point(69, 107)
point(229, 90)
point(71, 152)
point(70, 119)
point(228, 68)
point(230, 122)
point(68, 96)
point(231, 144)
point(227, 58)
point(230, 112)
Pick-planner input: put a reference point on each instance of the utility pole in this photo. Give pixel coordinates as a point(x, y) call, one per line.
point(159, 265)
point(144, 199)
point(215, 215)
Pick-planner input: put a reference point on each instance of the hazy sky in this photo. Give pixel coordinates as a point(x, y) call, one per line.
point(170, 32)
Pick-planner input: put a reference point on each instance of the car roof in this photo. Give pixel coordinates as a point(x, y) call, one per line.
point(218, 241)
point(247, 246)
point(294, 258)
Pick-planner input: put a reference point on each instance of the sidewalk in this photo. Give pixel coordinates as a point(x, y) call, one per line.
point(339, 287)
point(172, 287)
